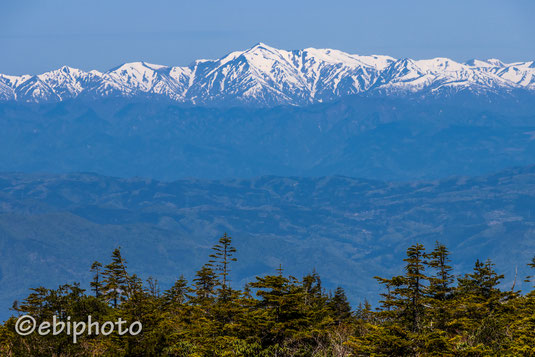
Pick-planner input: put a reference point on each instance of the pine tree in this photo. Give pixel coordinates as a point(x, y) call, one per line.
point(339, 306)
point(404, 300)
point(116, 282)
point(280, 311)
point(178, 293)
point(205, 282)
point(153, 287)
point(531, 264)
point(476, 305)
point(414, 289)
point(221, 259)
point(403, 310)
point(313, 289)
point(96, 284)
point(440, 286)
point(278, 315)
point(481, 287)
point(315, 305)
point(36, 304)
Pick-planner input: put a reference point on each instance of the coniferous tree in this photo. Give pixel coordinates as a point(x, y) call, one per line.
point(178, 293)
point(115, 284)
point(339, 306)
point(476, 308)
point(312, 287)
point(440, 286)
point(278, 315)
point(315, 301)
point(36, 304)
point(280, 307)
point(414, 285)
point(531, 264)
point(153, 287)
point(222, 256)
point(403, 310)
point(390, 304)
point(96, 284)
point(205, 282)
point(404, 300)
point(479, 289)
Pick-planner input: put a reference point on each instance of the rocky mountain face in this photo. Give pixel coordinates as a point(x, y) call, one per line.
point(266, 76)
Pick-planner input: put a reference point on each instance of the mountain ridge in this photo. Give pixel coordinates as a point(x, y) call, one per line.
point(266, 76)
point(348, 229)
point(381, 137)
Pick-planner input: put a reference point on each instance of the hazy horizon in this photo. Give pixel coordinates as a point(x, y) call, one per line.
point(100, 35)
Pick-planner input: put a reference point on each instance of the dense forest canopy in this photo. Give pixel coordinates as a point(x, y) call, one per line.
point(426, 311)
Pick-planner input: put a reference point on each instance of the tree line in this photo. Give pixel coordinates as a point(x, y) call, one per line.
point(425, 311)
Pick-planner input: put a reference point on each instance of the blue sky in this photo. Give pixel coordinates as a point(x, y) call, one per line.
point(36, 36)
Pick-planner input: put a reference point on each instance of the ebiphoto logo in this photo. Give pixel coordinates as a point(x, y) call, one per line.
point(27, 325)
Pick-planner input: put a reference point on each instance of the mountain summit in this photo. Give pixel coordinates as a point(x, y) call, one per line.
point(267, 76)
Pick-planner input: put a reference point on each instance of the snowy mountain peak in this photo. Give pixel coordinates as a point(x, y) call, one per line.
point(495, 62)
point(264, 75)
point(137, 67)
point(260, 46)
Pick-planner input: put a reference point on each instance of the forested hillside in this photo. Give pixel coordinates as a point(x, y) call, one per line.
point(425, 311)
point(347, 229)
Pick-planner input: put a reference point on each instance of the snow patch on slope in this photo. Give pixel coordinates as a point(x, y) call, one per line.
point(264, 75)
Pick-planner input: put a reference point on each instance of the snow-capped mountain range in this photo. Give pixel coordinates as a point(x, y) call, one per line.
point(263, 75)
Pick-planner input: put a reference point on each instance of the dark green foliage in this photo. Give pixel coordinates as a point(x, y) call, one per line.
point(440, 287)
point(221, 258)
point(204, 283)
point(424, 312)
point(339, 306)
point(116, 282)
point(178, 293)
point(96, 284)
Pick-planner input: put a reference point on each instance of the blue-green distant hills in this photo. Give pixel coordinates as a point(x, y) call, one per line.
point(52, 227)
point(278, 179)
point(373, 137)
